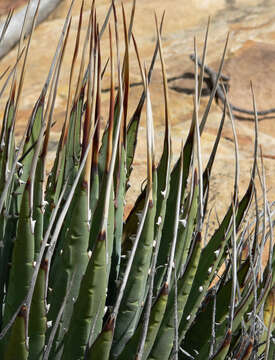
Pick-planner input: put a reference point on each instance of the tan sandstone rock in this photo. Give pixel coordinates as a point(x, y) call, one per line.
point(250, 56)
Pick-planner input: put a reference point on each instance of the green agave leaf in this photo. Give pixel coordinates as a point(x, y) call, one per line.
point(53, 236)
point(165, 337)
point(72, 241)
point(170, 215)
point(195, 338)
point(6, 159)
point(7, 225)
point(74, 238)
point(208, 168)
point(33, 131)
point(118, 227)
point(16, 347)
point(7, 141)
point(38, 207)
point(211, 259)
point(51, 196)
point(94, 181)
point(77, 128)
point(6, 251)
point(73, 114)
point(164, 167)
point(89, 306)
point(55, 181)
point(204, 273)
point(28, 158)
point(134, 293)
point(74, 259)
point(90, 302)
point(131, 224)
point(98, 213)
point(22, 258)
point(187, 228)
point(120, 174)
point(71, 160)
point(135, 288)
point(51, 186)
point(56, 176)
point(102, 346)
point(50, 341)
point(110, 231)
point(114, 116)
point(156, 316)
point(240, 312)
point(106, 195)
point(38, 320)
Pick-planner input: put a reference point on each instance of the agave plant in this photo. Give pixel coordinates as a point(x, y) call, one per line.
point(78, 280)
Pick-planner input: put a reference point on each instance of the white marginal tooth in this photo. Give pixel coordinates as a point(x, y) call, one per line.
point(183, 222)
point(210, 270)
point(118, 283)
point(32, 225)
point(159, 220)
point(217, 252)
point(49, 324)
point(154, 243)
point(200, 289)
point(132, 238)
point(89, 253)
point(139, 215)
point(188, 317)
point(163, 193)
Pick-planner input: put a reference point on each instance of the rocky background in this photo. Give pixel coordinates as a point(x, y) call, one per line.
point(250, 56)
